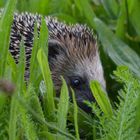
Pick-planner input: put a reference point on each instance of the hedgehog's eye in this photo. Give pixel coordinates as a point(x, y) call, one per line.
point(75, 82)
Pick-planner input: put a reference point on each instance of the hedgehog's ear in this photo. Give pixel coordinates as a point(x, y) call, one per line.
point(54, 48)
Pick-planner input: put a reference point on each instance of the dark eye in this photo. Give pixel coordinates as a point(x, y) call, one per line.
point(75, 82)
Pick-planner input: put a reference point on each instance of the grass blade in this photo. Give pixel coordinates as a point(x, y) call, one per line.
point(44, 66)
point(19, 91)
point(134, 14)
point(48, 97)
point(112, 11)
point(120, 28)
point(63, 107)
point(101, 98)
point(75, 115)
point(12, 64)
point(5, 26)
point(90, 14)
point(43, 38)
point(13, 119)
point(33, 65)
point(28, 125)
point(21, 69)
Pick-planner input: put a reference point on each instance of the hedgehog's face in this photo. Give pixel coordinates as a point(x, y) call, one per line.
point(78, 63)
point(84, 72)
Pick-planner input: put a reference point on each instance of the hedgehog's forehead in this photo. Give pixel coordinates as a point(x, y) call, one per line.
point(90, 69)
point(86, 67)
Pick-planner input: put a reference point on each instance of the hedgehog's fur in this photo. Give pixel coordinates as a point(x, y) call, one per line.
point(72, 51)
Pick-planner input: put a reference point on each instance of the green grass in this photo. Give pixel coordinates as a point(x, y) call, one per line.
point(23, 116)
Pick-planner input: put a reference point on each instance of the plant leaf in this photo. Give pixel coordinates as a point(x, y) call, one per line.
point(111, 7)
point(63, 107)
point(101, 98)
point(48, 97)
point(5, 26)
point(116, 49)
point(75, 115)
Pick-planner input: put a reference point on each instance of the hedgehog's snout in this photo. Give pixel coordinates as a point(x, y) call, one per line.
point(82, 91)
point(85, 96)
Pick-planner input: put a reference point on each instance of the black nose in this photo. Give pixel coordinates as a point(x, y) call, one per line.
point(85, 107)
point(86, 96)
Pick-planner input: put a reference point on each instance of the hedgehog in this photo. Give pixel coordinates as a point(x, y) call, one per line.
point(73, 53)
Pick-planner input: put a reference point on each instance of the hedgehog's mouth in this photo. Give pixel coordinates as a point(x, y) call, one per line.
point(82, 98)
point(84, 107)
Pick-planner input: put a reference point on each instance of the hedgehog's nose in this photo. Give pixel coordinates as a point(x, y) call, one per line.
point(85, 107)
point(89, 97)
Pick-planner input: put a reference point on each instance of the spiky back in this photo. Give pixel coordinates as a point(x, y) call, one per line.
point(77, 40)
